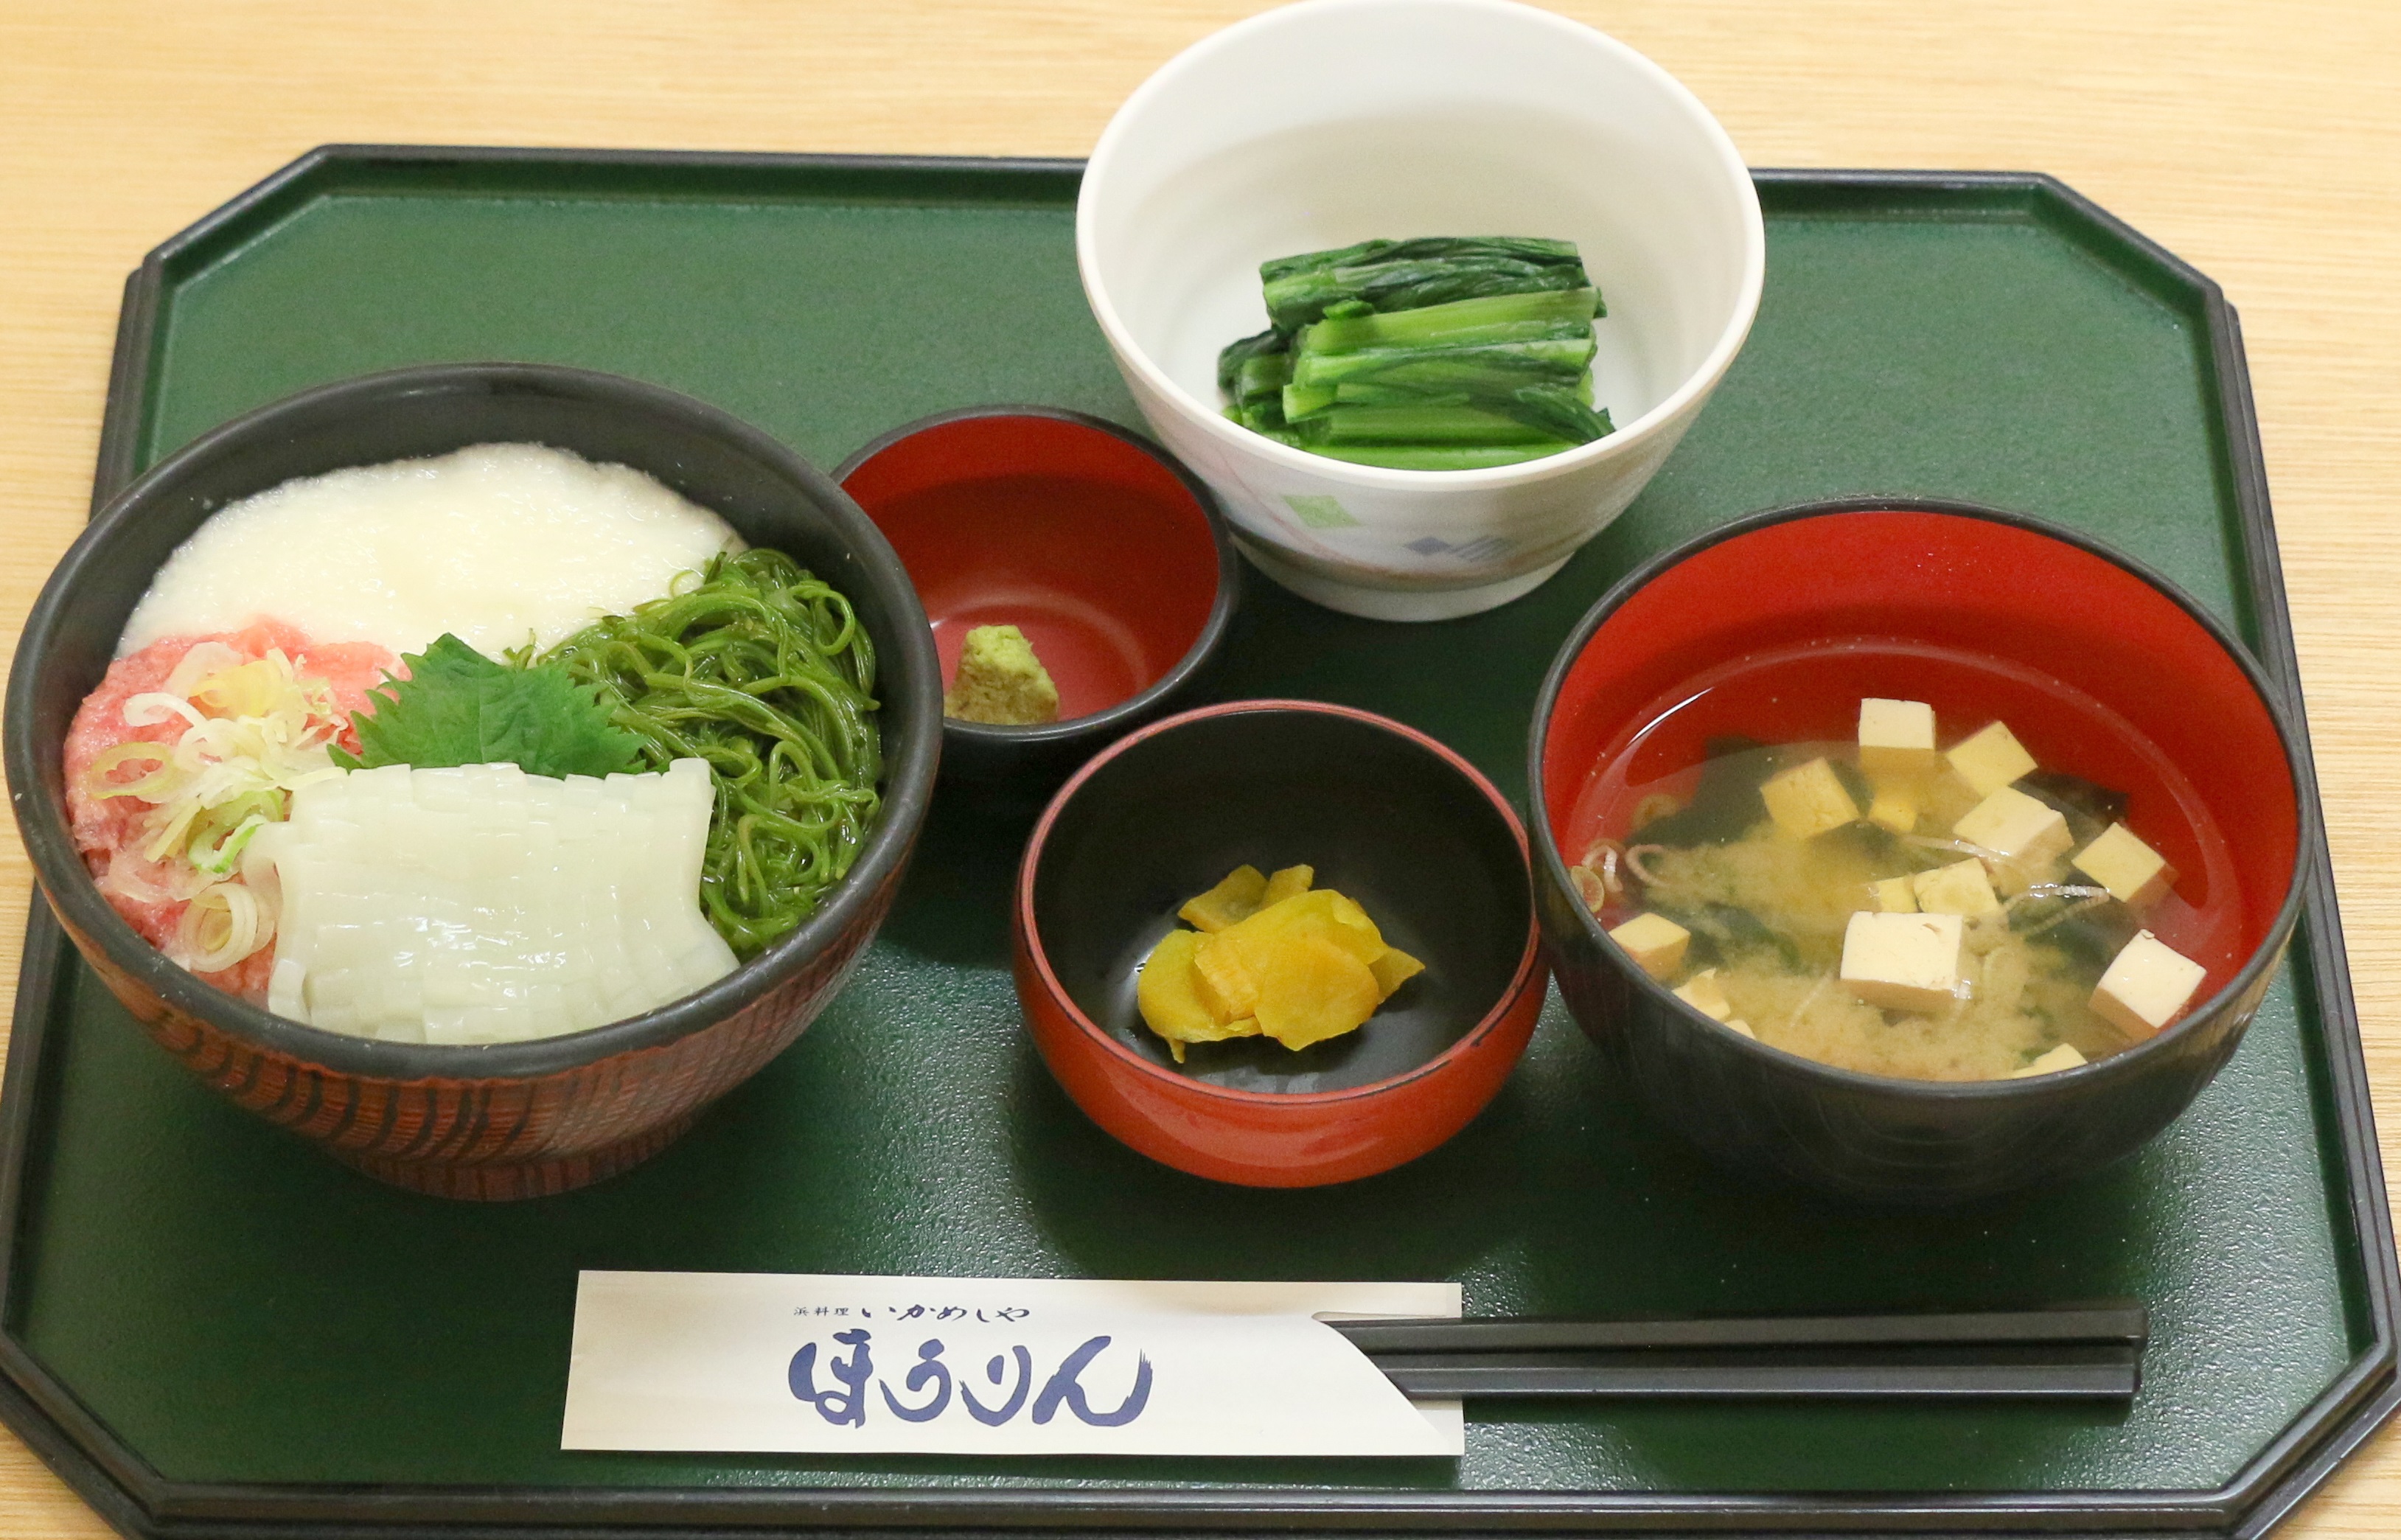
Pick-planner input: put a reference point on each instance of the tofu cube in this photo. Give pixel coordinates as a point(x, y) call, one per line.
point(1960, 888)
point(2145, 987)
point(1990, 758)
point(1894, 896)
point(1656, 942)
point(2027, 831)
point(1706, 995)
point(2132, 872)
point(1895, 808)
point(1809, 800)
point(1896, 736)
point(2063, 1057)
point(1903, 962)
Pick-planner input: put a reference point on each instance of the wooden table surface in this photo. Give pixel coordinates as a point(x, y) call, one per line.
point(2256, 140)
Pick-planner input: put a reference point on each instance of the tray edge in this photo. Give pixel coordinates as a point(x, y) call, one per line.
point(136, 1499)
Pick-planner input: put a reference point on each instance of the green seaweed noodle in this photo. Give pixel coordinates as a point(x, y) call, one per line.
point(762, 670)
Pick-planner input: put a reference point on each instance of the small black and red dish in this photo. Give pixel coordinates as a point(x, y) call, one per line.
point(1387, 816)
point(1106, 554)
point(1773, 629)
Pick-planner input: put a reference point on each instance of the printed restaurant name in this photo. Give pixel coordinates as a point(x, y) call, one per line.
point(929, 1383)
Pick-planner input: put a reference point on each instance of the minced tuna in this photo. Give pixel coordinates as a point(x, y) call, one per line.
point(105, 828)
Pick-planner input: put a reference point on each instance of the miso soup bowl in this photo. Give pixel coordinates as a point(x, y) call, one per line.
point(1105, 553)
point(1389, 818)
point(511, 1119)
point(1314, 126)
point(1744, 631)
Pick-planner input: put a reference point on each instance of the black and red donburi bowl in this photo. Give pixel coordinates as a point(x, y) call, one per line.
point(1773, 627)
point(1108, 555)
point(1387, 816)
point(507, 1120)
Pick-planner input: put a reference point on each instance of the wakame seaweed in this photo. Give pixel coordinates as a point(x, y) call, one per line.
point(1722, 932)
point(1855, 782)
point(764, 671)
point(1724, 805)
point(2089, 807)
point(2091, 933)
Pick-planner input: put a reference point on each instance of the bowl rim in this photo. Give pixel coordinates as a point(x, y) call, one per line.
point(1528, 973)
point(1664, 417)
point(908, 778)
point(1552, 865)
point(1116, 714)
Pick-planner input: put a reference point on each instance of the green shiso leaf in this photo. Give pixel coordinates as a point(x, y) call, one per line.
point(458, 707)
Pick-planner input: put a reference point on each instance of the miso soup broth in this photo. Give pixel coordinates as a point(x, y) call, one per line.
point(1923, 896)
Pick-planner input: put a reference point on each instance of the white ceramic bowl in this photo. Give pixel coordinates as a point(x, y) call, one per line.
point(1333, 122)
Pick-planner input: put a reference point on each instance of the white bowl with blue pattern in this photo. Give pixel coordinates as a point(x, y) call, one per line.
point(1333, 121)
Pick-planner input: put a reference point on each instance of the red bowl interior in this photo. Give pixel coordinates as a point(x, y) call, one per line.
point(1084, 541)
point(1776, 632)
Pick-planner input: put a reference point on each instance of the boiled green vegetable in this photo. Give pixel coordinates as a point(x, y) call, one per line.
point(1403, 275)
point(1442, 353)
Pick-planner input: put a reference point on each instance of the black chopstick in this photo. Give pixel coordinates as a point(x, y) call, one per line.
point(2078, 1353)
point(2107, 1321)
point(1631, 1375)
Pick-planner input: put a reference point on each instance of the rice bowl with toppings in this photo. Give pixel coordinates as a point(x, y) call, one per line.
point(476, 748)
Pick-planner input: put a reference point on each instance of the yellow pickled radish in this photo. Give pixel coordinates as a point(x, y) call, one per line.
point(1274, 956)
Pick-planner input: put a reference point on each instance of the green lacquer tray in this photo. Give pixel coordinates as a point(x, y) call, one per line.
point(210, 1330)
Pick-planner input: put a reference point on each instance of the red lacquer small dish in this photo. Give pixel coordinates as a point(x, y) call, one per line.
point(1386, 816)
point(1109, 556)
